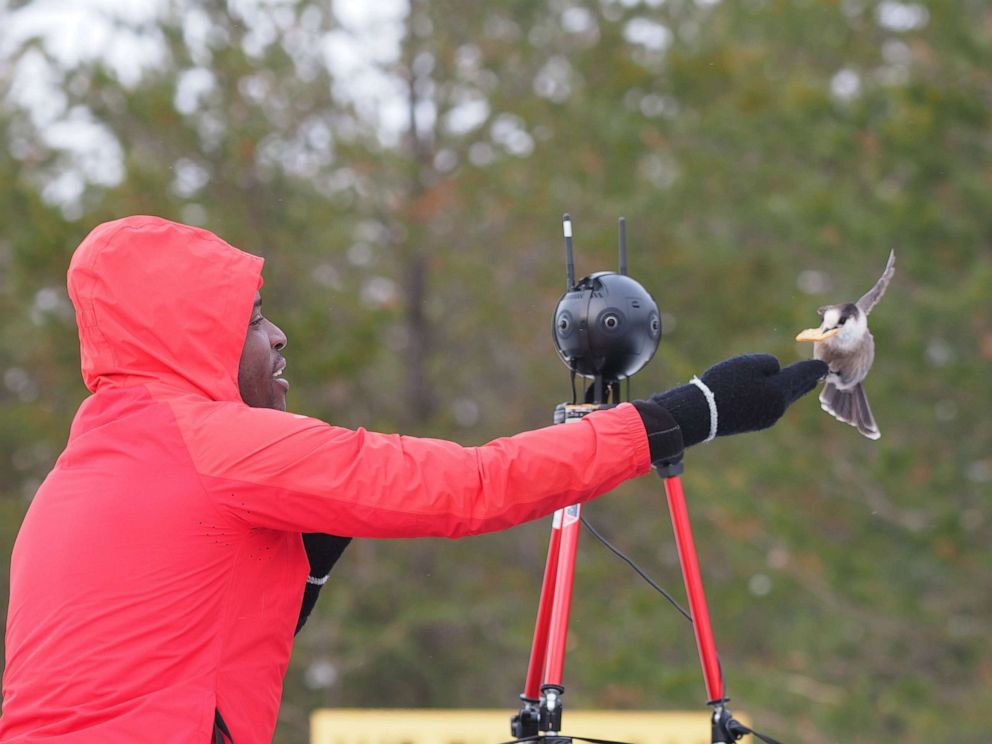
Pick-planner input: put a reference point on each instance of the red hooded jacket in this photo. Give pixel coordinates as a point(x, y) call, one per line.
point(159, 571)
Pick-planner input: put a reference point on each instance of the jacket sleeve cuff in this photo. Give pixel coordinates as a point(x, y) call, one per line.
point(663, 432)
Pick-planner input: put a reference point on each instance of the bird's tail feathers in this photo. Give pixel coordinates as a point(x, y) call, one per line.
point(851, 407)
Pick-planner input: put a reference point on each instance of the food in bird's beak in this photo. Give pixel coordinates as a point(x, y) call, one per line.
point(815, 334)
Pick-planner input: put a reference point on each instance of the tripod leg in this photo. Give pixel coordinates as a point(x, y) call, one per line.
point(694, 589)
point(538, 651)
point(562, 604)
point(541, 707)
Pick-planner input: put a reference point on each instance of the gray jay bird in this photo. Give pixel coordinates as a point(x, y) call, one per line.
point(844, 342)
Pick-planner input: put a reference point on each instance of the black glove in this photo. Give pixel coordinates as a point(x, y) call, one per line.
point(323, 552)
point(743, 393)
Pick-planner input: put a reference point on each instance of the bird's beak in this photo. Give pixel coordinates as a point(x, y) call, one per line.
point(815, 334)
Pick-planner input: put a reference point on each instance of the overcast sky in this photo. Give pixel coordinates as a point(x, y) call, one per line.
point(123, 33)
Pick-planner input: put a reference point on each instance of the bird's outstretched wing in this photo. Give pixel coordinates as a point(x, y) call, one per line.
point(873, 295)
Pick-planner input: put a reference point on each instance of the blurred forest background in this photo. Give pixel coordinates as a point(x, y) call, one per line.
point(403, 166)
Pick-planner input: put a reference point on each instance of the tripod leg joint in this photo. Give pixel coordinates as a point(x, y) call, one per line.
point(551, 707)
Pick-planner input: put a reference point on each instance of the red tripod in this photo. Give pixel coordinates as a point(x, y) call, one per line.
point(606, 328)
point(542, 707)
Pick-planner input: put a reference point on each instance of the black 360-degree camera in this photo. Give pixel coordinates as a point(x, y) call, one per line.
point(606, 325)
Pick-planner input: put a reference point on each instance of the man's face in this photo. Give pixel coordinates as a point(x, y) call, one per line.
point(260, 378)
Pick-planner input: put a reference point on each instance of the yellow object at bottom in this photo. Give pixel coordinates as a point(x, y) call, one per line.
point(435, 726)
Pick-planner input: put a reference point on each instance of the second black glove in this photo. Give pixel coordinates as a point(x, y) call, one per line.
point(743, 393)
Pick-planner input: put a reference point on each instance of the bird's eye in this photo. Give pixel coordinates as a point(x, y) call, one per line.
point(843, 321)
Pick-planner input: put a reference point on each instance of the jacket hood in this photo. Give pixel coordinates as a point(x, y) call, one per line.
point(158, 301)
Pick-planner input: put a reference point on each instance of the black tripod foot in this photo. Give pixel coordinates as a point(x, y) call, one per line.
point(726, 729)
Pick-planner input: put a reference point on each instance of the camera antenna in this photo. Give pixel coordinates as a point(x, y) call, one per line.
point(569, 258)
point(623, 246)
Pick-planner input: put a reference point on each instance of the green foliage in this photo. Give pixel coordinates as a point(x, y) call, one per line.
point(767, 156)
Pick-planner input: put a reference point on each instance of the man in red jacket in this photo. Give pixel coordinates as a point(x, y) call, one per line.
point(157, 578)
